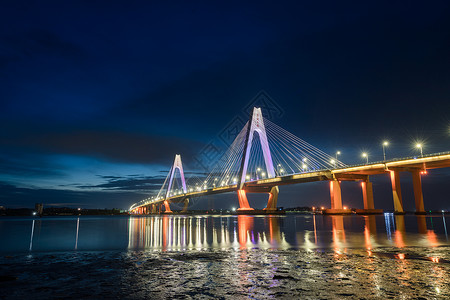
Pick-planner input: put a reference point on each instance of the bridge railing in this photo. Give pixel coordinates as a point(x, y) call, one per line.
point(397, 159)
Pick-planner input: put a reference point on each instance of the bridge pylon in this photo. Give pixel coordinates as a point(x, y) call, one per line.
point(176, 165)
point(256, 124)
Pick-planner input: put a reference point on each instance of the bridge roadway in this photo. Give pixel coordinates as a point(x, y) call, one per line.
point(416, 165)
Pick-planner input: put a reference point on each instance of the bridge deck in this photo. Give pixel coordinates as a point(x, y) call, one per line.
point(432, 161)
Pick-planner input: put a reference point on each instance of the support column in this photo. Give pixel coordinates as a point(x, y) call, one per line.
point(418, 196)
point(336, 200)
point(369, 207)
point(167, 207)
point(273, 198)
point(185, 207)
point(396, 192)
point(335, 194)
point(367, 191)
point(243, 202)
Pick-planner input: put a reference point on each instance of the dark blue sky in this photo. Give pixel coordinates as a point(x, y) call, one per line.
point(96, 97)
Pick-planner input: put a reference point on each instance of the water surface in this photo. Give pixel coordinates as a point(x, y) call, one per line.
point(261, 257)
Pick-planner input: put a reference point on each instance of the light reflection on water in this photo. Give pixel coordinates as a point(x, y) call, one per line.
point(178, 233)
point(181, 233)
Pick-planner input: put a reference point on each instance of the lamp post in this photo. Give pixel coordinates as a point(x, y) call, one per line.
point(337, 153)
point(366, 156)
point(420, 146)
point(385, 144)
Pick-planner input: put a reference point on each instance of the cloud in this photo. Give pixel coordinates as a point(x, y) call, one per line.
point(134, 183)
point(111, 145)
point(27, 165)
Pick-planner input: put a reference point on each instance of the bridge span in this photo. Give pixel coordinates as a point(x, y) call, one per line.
point(238, 177)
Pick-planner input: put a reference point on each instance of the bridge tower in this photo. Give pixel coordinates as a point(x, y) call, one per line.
point(176, 165)
point(256, 124)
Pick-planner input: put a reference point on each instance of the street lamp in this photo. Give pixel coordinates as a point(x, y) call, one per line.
point(280, 169)
point(337, 153)
point(385, 144)
point(366, 156)
point(420, 146)
point(333, 162)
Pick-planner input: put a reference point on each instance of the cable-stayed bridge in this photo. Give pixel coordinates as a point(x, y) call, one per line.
point(264, 156)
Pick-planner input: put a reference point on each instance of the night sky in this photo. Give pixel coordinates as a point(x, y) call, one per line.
point(96, 97)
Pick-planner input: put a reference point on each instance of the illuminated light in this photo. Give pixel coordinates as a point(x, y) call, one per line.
point(419, 145)
point(34, 213)
point(233, 208)
point(332, 161)
point(322, 208)
point(247, 177)
point(435, 259)
point(366, 156)
point(259, 169)
point(234, 179)
point(385, 143)
point(304, 159)
point(304, 166)
point(263, 174)
point(338, 153)
point(401, 256)
point(313, 208)
point(79, 209)
point(345, 207)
